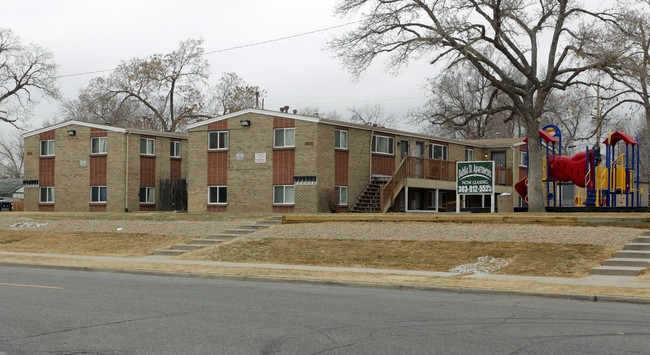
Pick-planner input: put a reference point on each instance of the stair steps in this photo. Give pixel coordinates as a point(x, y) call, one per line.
point(634, 258)
point(369, 200)
point(212, 239)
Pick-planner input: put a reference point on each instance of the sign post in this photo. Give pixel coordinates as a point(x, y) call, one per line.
point(474, 178)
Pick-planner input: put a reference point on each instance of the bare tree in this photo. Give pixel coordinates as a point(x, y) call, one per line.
point(167, 86)
point(24, 69)
point(232, 94)
point(463, 104)
point(371, 114)
point(92, 106)
point(12, 155)
point(499, 38)
point(314, 111)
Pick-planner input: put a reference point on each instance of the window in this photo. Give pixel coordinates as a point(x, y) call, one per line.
point(342, 193)
point(437, 151)
point(218, 140)
point(47, 148)
point(147, 195)
point(522, 159)
point(147, 146)
point(499, 158)
point(469, 154)
point(98, 194)
point(98, 145)
point(284, 137)
point(382, 144)
point(47, 195)
point(283, 194)
point(217, 194)
point(340, 139)
point(175, 149)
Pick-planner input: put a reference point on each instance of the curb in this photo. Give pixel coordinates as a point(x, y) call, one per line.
point(448, 289)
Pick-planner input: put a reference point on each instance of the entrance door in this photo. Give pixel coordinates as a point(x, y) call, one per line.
point(404, 148)
point(499, 158)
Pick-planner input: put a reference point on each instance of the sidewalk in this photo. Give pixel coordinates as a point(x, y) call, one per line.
point(122, 264)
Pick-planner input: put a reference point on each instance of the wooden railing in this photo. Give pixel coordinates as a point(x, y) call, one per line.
point(434, 169)
point(502, 176)
point(392, 186)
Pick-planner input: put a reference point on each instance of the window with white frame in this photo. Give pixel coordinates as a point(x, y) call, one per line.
point(218, 140)
point(175, 149)
point(469, 154)
point(147, 195)
point(382, 144)
point(48, 148)
point(522, 159)
point(342, 193)
point(217, 195)
point(340, 139)
point(147, 146)
point(98, 194)
point(284, 195)
point(46, 195)
point(438, 151)
point(98, 145)
point(284, 137)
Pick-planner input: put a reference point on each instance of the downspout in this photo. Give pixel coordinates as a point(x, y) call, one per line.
point(126, 174)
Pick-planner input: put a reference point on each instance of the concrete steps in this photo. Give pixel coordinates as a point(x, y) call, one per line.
point(634, 258)
point(212, 239)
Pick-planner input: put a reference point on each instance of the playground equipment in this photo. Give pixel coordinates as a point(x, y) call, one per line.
point(603, 185)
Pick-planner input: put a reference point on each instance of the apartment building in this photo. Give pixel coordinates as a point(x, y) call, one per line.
point(267, 161)
point(81, 166)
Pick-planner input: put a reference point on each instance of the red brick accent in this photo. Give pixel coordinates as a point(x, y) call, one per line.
point(218, 168)
point(438, 143)
point(282, 209)
point(341, 167)
point(46, 171)
point(383, 164)
point(148, 207)
point(147, 171)
point(46, 207)
point(281, 122)
point(97, 132)
point(175, 168)
point(98, 208)
point(283, 166)
point(98, 170)
point(48, 135)
point(218, 126)
point(217, 208)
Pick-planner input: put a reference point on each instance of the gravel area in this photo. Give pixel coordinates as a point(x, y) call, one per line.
point(608, 236)
point(171, 228)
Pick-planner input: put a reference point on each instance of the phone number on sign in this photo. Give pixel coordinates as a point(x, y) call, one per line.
point(475, 189)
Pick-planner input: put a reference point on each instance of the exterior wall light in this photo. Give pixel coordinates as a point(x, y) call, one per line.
point(245, 123)
point(72, 132)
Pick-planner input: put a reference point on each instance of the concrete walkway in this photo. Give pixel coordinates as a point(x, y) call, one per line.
point(592, 280)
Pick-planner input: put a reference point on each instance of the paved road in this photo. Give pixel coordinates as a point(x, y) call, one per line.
point(62, 312)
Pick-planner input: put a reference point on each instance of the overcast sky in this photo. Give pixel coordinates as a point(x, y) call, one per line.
point(88, 36)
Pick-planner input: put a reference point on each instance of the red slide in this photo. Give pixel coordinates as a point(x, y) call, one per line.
point(562, 168)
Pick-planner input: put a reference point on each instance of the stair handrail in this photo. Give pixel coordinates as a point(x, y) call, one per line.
point(396, 177)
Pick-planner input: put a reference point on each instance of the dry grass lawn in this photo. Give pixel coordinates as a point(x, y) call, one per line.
point(536, 259)
point(84, 243)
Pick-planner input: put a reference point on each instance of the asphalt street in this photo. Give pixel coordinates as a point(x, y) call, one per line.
point(70, 312)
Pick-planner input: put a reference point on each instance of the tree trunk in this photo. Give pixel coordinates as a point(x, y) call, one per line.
point(536, 193)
